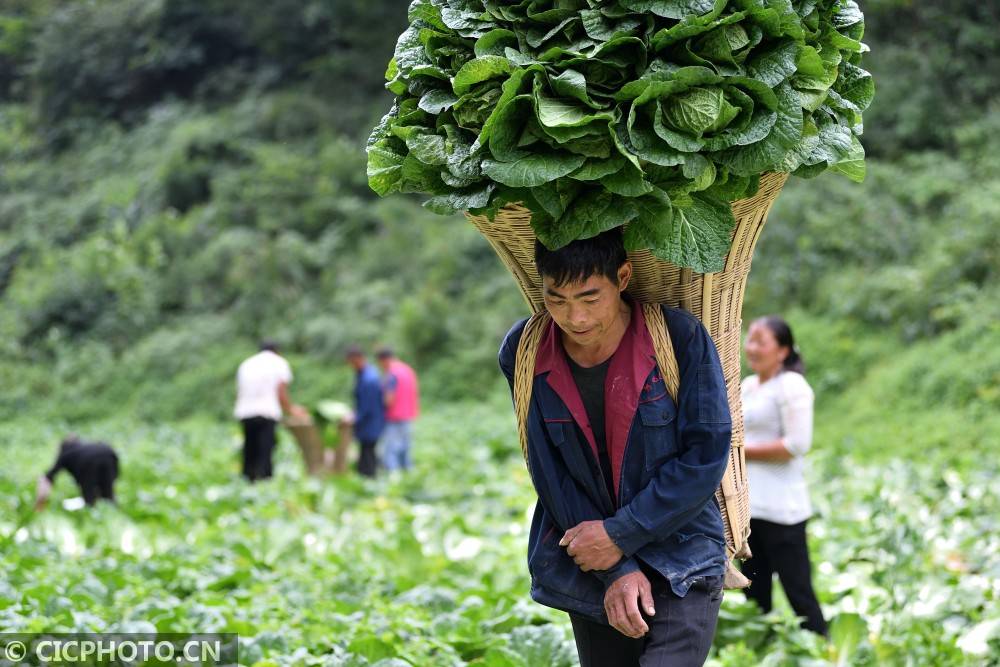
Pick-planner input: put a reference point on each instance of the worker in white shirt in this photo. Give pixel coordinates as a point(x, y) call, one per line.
point(261, 399)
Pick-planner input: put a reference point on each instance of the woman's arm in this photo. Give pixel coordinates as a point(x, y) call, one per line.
point(774, 450)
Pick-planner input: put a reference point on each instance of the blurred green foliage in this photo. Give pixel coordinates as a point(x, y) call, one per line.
point(180, 178)
point(934, 65)
point(118, 58)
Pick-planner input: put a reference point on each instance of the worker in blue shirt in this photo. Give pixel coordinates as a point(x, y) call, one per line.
point(369, 409)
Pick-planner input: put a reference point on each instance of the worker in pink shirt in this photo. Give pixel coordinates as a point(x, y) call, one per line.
point(402, 405)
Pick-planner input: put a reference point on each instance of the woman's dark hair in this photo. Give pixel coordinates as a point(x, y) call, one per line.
point(783, 334)
point(602, 255)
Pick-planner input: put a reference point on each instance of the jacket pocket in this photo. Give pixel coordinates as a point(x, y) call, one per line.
point(553, 569)
point(659, 435)
point(694, 551)
point(713, 398)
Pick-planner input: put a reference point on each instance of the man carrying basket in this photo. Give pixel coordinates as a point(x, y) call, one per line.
point(627, 531)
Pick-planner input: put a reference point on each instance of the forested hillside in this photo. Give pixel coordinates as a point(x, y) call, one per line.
point(180, 178)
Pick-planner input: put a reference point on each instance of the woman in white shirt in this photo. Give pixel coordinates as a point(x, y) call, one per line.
point(778, 421)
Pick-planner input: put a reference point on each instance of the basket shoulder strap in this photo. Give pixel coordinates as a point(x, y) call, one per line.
point(666, 359)
point(524, 373)
point(729, 505)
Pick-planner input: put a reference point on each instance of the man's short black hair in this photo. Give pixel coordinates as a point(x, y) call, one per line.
point(269, 345)
point(602, 255)
point(384, 352)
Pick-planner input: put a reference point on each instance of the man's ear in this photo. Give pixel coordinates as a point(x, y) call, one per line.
point(624, 275)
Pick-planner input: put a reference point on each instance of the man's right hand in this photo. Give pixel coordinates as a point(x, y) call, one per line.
point(622, 600)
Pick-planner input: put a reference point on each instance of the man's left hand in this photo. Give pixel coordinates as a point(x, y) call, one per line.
point(591, 548)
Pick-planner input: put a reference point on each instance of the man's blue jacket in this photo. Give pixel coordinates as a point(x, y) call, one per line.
point(369, 405)
point(667, 460)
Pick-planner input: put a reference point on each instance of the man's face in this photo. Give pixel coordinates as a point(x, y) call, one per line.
point(586, 311)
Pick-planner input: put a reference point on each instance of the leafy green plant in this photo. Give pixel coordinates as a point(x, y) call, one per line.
point(428, 569)
point(847, 632)
point(654, 113)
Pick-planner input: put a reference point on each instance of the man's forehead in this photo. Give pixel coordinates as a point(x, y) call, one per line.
point(576, 287)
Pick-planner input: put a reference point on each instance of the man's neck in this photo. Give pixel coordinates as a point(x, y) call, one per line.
point(602, 349)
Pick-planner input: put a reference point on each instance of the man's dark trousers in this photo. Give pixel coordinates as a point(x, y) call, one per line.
point(258, 447)
point(680, 632)
point(368, 460)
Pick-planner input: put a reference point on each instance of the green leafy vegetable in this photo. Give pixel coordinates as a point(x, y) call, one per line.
point(595, 113)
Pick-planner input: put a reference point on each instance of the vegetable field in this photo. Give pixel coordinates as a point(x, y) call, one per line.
point(429, 569)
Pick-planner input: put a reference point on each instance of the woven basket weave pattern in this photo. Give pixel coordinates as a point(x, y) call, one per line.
point(715, 298)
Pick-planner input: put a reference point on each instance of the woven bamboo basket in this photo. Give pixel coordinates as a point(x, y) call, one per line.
point(715, 298)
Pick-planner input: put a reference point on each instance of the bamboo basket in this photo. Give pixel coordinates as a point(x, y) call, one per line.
point(316, 456)
point(715, 298)
point(310, 443)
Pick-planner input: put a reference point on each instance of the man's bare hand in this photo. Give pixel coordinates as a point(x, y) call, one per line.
point(42, 491)
point(299, 412)
point(622, 600)
point(591, 548)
